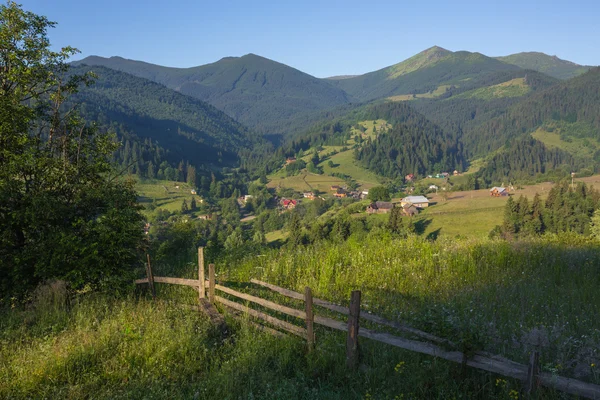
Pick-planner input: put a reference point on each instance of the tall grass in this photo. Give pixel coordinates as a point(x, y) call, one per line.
point(503, 297)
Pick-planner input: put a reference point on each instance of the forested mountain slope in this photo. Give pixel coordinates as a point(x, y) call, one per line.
point(549, 65)
point(574, 105)
point(422, 73)
point(413, 146)
point(162, 124)
point(254, 90)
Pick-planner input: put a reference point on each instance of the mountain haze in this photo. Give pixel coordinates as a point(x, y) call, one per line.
point(254, 90)
point(550, 65)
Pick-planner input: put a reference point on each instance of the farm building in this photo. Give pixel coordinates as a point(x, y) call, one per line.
point(497, 191)
point(409, 210)
point(290, 160)
point(340, 193)
point(309, 195)
point(289, 204)
point(417, 201)
point(409, 177)
point(193, 191)
point(380, 207)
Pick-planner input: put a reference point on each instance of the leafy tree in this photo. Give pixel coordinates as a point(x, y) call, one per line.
point(379, 193)
point(595, 224)
point(395, 221)
point(62, 213)
point(295, 230)
point(234, 240)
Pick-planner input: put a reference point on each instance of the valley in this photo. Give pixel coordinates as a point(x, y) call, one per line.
point(202, 218)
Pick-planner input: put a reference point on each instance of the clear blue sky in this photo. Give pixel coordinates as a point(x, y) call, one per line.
point(322, 38)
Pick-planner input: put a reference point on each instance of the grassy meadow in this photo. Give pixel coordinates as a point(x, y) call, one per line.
point(506, 298)
point(168, 195)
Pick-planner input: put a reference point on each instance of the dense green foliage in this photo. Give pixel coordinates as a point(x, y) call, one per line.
point(256, 91)
point(550, 65)
point(525, 158)
point(413, 146)
point(567, 209)
point(161, 124)
point(572, 101)
point(62, 213)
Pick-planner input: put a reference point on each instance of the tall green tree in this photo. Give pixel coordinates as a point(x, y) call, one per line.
point(62, 213)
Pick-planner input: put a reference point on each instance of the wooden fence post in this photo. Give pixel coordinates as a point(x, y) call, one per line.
point(533, 371)
point(211, 283)
point(150, 277)
point(352, 338)
point(201, 287)
point(308, 302)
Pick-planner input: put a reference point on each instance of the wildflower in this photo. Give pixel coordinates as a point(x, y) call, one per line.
point(592, 365)
point(399, 367)
point(500, 382)
point(513, 394)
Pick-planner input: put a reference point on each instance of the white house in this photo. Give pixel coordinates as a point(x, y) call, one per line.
point(417, 201)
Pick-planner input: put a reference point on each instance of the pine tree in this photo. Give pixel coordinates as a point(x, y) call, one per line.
point(295, 230)
point(184, 207)
point(509, 226)
point(395, 221)
point(193, 205)
point(191, 175)
point(151, 174)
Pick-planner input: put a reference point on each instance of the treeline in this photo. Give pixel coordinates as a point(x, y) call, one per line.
point(526, 158)
point(567, 209)
point(575, 100)
point(413, 146)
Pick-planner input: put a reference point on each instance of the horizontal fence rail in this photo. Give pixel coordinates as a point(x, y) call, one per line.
point(530, 374)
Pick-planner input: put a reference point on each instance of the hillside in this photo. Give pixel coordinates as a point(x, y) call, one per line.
point(422, 73)
point(254, 90)
point(164, 123)
point(572, 104)
point(549, 65)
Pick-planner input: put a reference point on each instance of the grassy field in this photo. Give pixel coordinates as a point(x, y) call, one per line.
point(166, 194)
point(505, 298)
point(440, 90)
point(344, 163)
point(514, 88)
point(582, 147)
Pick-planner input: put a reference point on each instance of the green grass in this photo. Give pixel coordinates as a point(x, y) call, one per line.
point(514, 88)
point(304, 182)
point(486, 295)
point(165, 194)
point(440, 90)
point(346, 164)
point(550, 135)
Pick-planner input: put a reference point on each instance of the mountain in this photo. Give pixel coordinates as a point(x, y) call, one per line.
point(254, 90)
point(162, 124)
point(549, 65)
point(568, 109)
point(425, 72)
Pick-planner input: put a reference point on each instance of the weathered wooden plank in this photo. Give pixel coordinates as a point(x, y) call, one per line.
point(296, 330)
point(343, 310)
point(532, 382)
point(150, 277)
point(211, 283)
point(215, 317)
point(571, 386)
point(310, 334)
point(201, 288)
point(177, 281)
point(140, 281)
point(265, 303)
point(353, 331)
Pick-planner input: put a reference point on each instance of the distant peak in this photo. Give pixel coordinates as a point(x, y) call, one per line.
point(436, 49)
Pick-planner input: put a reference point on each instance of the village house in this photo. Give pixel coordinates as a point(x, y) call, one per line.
point(340, 193)
point(193, 191)
point(456, 173)
point(206, 217)
point(290, 160)
point(309, 195)
point(334, 187)
point(380, 207)
point(355, 194)
point(433, 187)
point(364, 194)
point(417, 201)
point(289, 204)
point(244, 199)
point(409, 177)
point(498, 191)
point(409, 210)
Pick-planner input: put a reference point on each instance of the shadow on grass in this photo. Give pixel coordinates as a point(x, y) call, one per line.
point(421, 225)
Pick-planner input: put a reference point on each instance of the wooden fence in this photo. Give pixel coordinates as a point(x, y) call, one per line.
point(529, 374)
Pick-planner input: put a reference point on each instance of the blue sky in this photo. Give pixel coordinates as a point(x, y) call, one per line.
point(322, 38)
